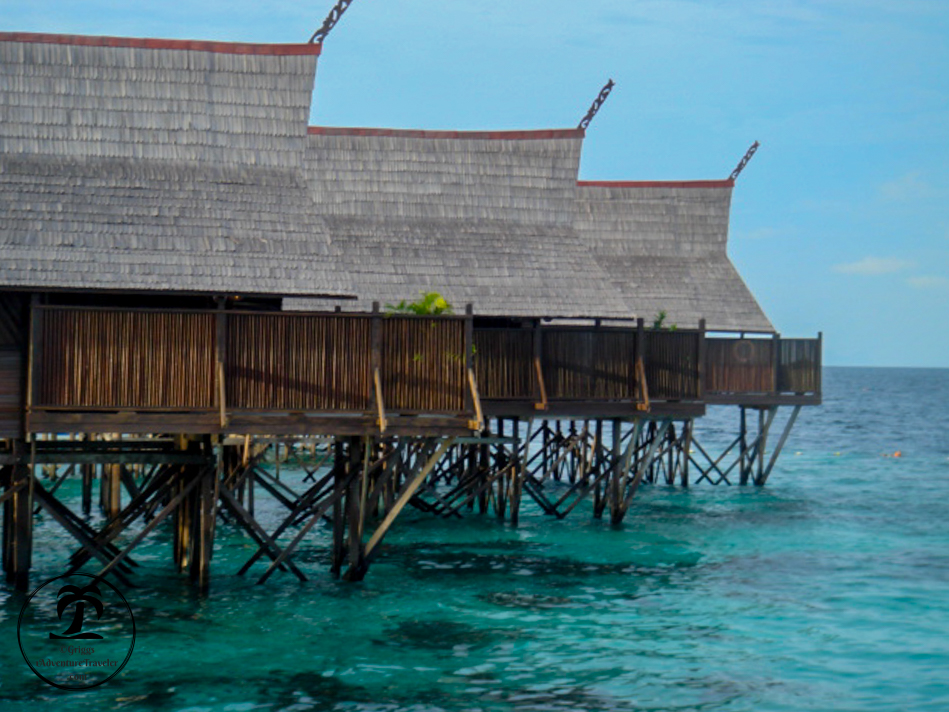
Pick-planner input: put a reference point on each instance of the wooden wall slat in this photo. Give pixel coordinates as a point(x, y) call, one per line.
point(799, 366)
point(423, 364)
point(739, 366)
point(11, 393)
point(126, 359)
point(672, 365)
point(503, 363)
point(305, 363)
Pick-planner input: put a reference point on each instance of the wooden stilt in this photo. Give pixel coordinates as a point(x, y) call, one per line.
point(88, 471)
point(425, 466)
point(18, 523)
point(645, 462)
point(172, 506)
point(206, 496)
point(744, 467)
point(182, 522)
point(355, 503)
point(777, 451)
point(339, 523)
point(617, 477)
point(686, 452)
point(517, 471)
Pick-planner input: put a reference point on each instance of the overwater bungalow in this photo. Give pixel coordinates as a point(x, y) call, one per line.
point(191, 273)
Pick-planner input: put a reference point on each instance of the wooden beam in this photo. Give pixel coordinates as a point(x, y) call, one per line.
point(256, 532)
point(777, 451)
point(168, 509)
point(539, 374)
point(645, 463)
point(380, 401)
point(476, 398)
point(317, 516)
point(404, 497)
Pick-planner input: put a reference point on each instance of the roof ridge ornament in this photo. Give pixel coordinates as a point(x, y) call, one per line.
point(744, 161)
point(330, 22)
point(595, 106)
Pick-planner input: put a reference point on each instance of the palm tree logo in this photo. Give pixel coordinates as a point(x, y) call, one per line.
point(79, 597)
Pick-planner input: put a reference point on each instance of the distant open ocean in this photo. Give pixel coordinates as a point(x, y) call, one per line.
point(828, 589)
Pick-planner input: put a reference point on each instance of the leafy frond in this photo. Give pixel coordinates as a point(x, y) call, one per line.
point(430, 304)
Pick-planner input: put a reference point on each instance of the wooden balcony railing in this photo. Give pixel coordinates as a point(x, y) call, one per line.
point(738, 369)
point(220, 364)
point(588, 363)
point(228, 362)
point(598, 364)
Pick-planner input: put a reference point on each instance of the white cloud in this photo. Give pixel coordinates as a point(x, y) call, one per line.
point(928, 282)
point(874, 266)
point(762, 233)
point(910, 186)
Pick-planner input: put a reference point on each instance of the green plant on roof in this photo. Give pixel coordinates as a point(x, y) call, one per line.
point(431, 304)
point(659, 322)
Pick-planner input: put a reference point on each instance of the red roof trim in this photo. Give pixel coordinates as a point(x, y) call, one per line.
point(727, 183)
point(410, 133)
point(145, 43)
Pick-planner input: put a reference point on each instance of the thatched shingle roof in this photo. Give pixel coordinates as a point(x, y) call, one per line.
point(158, 164)
point(480, 217)
point(664, 245)
point(135, 164)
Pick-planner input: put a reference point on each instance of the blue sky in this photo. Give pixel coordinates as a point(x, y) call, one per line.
point(840, 223)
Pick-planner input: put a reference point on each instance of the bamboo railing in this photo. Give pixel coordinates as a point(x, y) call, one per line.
point(596, 364)
point(588, 363)
point(115, 359)
point(221, 362)
point(765, 366)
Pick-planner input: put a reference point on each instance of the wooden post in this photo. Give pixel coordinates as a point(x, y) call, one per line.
point(702, 351)
point(617, 477)
point(469, 355)
point(88, 472)
point(106, 477)
point(375, 345)
point(471, 473)
point(113, 495)
point(34, 361)
point(517, 472)
point(598, 495)
point(686, 451)
point(353, 510)
point(220, 349)
point(18, 520)
point(205, 508)
point(743, 465)
point(484, 466)
point(764, 427)
point(820, 362)
point(249, 479)
point(775, 363)
point(500, 500)
point(182, 518)
point(640, 351)
point(340, 468)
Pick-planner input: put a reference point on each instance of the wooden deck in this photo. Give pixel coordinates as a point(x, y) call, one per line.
point(88, 369)
point(274, 373)
point(608, 372)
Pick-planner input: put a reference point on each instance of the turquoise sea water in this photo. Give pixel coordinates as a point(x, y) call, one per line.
point(826, 590)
